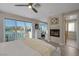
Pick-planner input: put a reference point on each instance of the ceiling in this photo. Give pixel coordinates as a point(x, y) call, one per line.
point(45, 10)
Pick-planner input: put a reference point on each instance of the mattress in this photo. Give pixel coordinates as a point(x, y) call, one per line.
point(28, 47)
point(17, 48)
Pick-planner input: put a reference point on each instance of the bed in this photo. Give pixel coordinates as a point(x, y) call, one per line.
point(28, 47)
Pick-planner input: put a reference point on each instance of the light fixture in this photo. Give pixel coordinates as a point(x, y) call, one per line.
point(30, 6)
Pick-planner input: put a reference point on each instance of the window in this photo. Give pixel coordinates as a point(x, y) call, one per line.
point(71, 17)
point(28, 27)
point(43, 30)
point(20, 28)
point(17, 29)
point(43, 27)
point(10, 30)
point(71, 26)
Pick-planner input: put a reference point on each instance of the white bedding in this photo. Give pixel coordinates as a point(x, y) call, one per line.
point(17, 48)
point(27, 48)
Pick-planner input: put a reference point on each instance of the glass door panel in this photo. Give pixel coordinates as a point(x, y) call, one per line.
point(43, 30)
point(20, 28)
point(10, 33)
point(28, 29)
point(43, 27)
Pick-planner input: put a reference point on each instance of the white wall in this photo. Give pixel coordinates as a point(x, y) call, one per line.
point(77, 29)
point(1, 30)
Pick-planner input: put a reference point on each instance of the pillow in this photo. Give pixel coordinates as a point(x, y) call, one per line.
point(41, 46)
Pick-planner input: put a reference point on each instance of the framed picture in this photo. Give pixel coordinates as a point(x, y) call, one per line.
point(36, 26)
point(54, 20)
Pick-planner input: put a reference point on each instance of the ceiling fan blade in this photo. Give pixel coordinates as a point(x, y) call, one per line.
point(34, 10)
point(30, 4)
point(21, 5)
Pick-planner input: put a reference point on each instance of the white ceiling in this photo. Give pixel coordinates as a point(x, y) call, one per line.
point(45, 10)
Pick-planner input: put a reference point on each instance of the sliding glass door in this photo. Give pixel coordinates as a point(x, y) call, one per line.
point(43, 29)
point(10, 33)
point(24, 30)
point(28, 27)
point(20, 28)
point(17, 30)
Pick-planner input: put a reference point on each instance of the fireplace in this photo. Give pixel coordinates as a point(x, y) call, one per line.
point(55, 32)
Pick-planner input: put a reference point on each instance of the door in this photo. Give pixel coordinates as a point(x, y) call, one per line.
point(28, 29)
point(10, 33)
point(71, 27)
point(17, 30)
point(43, 29)
point(20, 29)
point(72, 30)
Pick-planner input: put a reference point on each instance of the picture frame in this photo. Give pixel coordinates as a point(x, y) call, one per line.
point(36, 26)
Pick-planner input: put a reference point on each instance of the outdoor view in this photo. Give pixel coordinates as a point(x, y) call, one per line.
point(17, 30)
point(43, 30)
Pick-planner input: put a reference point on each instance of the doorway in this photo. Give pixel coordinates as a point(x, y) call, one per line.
point(70, 30)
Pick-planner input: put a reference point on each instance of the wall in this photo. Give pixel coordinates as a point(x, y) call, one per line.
point(1, 29)
point(60, 40)
point(77, 29)
point(12, 16)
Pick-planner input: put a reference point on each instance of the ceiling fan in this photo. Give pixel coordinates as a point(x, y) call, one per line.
point(30, 5)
